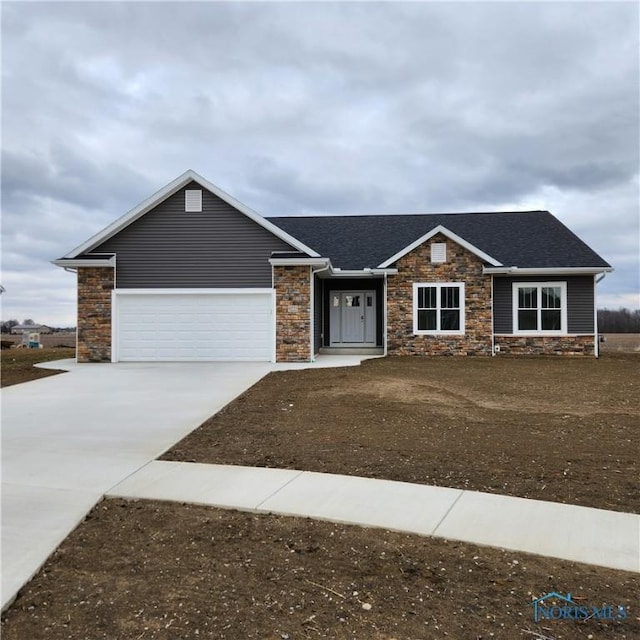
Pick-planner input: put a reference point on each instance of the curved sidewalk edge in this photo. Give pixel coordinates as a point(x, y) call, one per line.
point(580, 534)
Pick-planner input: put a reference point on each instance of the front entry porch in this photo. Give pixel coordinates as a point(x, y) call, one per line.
point(349, 316)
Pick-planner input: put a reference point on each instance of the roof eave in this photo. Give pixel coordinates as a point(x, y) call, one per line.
point(167, 191)
point(299, 262)
point(523, 271)
point(70, 263)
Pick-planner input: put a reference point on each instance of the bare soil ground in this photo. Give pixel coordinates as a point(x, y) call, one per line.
point(140, 570)
point(626, 342)
point(151, 570)
point(16, 365)
point(559, 429)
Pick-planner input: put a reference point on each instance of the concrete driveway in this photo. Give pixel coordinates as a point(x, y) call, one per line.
point(68, 439)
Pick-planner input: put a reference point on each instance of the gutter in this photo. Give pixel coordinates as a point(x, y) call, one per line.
point(69, 264)
point(545, 270)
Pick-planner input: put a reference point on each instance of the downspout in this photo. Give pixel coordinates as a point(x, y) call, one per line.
point(596, 337)
point(493, 335)
point(312, 308)
point(384, 321)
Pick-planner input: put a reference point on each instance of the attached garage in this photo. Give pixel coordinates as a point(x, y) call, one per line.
point(152, 325)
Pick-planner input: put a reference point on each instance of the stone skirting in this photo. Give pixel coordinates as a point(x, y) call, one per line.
point(94, 314)
point(461, 266)
point(546, 345)
point(293, 313)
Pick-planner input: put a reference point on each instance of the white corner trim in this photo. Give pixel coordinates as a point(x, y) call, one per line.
point(168, 190)
point(449, 234)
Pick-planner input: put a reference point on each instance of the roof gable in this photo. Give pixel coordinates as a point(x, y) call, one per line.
point(449, 234)
point(173, 187)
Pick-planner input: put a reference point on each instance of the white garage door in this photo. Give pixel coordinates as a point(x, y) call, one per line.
point(205, 326)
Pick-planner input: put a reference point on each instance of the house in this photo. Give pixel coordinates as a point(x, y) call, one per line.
point(193, 274)
point(28, 328)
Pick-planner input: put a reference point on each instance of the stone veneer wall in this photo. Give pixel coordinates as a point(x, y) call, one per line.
point(293, 313)
point(461, 266)
point(94, 313)
point(546, 345)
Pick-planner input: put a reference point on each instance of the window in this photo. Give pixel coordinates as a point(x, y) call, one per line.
point(438, 308)
point(438, 252)
point(193, 200)
point(539, 307)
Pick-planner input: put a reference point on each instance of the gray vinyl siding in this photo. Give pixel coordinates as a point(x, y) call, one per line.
point(217, 247)
point(317, 313)
point(580, 301)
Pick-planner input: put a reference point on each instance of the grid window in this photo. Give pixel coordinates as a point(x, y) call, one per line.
point(438, 308)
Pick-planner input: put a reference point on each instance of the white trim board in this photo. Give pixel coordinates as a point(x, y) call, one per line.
point(449, 234)
point(167, 191)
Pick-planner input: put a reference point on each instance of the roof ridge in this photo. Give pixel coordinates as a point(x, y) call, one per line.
point(393, 215)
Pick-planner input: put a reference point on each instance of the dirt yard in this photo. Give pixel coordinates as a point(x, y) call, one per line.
point(625, 342)
point(16, 365)
point(149, 570)
point(559, 429)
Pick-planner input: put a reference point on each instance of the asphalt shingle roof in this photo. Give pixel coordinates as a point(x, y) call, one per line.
point(525, 239)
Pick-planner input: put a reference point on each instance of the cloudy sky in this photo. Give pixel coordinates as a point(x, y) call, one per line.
point(315, 108)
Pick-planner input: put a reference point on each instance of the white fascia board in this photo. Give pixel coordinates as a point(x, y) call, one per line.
point(382, 271)
point(74, 264)
point(295, 262)
point(169, 190)
point(449, 234)
point(359, 273)
point(546, 271)
point(203, 291)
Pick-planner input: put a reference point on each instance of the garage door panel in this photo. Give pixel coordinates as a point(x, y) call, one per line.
point(194, 327)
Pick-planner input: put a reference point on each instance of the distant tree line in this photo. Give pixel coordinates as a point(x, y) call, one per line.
point(618, 321)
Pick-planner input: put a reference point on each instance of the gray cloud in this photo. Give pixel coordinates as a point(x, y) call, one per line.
point(311, 108)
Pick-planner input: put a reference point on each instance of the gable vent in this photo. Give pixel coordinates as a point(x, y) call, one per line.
point(193, 200)
point(438, 252)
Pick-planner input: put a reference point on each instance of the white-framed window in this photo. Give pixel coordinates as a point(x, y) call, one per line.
point(540, 308)
point(193, 200)
point(438, 308)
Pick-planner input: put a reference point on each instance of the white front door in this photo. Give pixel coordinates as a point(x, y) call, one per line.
point(353, 317)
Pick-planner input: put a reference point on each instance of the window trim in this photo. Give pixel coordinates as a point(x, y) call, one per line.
point(438, 332)
point(563, 331)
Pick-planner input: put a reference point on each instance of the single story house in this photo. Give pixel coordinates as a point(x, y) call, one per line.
point(193, 274)
point(28, 328)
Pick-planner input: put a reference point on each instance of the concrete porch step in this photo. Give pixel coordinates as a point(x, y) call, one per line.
point(351, 351)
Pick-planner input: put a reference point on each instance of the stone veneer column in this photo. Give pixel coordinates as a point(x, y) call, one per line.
point(461, 266)
point(94, 313)
point(293, 313)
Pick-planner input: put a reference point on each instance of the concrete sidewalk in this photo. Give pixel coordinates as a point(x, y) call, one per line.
point(593, 536)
